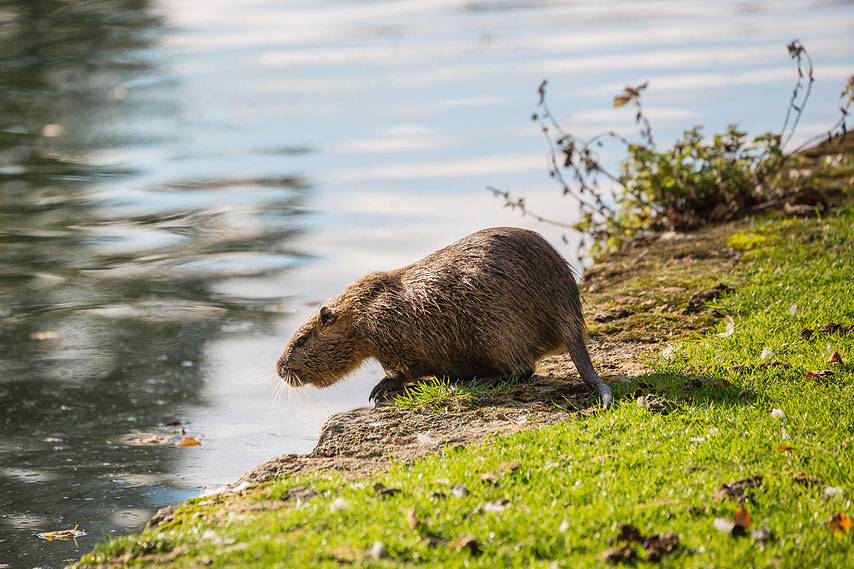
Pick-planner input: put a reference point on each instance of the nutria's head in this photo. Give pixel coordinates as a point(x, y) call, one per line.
point(324, 349)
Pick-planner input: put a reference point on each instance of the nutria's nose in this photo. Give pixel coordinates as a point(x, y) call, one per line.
point(280, 368)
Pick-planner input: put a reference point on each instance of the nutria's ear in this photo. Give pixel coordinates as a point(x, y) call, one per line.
point(327, 317)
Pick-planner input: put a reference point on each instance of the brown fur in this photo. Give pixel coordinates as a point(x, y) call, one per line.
point(487, 307)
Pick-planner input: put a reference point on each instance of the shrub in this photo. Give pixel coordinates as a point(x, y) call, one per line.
point(698, 180)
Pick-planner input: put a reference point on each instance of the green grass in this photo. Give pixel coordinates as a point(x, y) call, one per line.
point(576, 482)
point(441, 394)
point(435, 394)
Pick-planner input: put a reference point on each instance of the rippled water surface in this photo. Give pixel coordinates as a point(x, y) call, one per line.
point(182, 182)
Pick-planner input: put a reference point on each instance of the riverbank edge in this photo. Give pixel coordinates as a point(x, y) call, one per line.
point(637, 302)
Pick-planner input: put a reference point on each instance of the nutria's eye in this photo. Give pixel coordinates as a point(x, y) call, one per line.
point(327, 317)
point(299, 342)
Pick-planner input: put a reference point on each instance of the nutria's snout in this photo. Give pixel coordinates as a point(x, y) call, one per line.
point(287, 374)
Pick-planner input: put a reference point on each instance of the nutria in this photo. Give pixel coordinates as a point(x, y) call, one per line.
point(483, 309)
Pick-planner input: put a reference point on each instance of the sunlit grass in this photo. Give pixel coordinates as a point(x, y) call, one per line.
point(441, 393)
point(436, 393)
point(576, 482)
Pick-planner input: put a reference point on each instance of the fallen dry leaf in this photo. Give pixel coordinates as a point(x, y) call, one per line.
point(617, 554)
point(656, 404)
point(742, 518)
point(508, 466)
point(737, 490)
point(785, 448)
point(807, 480)
point(739, 524)
point(385, 492)
point(834, 328)
point(657, 546)
point(46, 335)
point(65, 534)
point(839, 524)
point(150, 440)
point(490, 477)
point(835, 359)
point(628, 533)
point(189, 441)
point(730, 328)
point(468, 542)
point(694, 383)
point(502, 469)
point(819, 374)
point(412, 519)
point(830, 328)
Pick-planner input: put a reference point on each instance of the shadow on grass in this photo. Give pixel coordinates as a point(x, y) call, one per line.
point(569, 395)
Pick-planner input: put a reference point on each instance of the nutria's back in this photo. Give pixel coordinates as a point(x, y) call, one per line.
point(479, 307)
point(489, 305)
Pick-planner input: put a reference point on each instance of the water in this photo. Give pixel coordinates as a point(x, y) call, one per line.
point(182, 182)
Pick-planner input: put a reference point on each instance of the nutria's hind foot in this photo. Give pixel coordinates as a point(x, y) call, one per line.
point(605, 392)
point(581, 358)
point(602, 388)
point(385, 387)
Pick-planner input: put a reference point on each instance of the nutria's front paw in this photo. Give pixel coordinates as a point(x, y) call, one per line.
point(385, 386)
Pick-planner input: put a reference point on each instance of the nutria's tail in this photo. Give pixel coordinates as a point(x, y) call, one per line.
point(581, 358)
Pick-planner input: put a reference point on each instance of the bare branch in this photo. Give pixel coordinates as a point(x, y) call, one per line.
point(520, 205)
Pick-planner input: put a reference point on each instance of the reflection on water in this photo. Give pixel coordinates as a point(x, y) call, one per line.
point(108, 286)
point(182, 182)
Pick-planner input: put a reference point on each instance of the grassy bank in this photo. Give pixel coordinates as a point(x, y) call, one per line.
point(723, 405)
